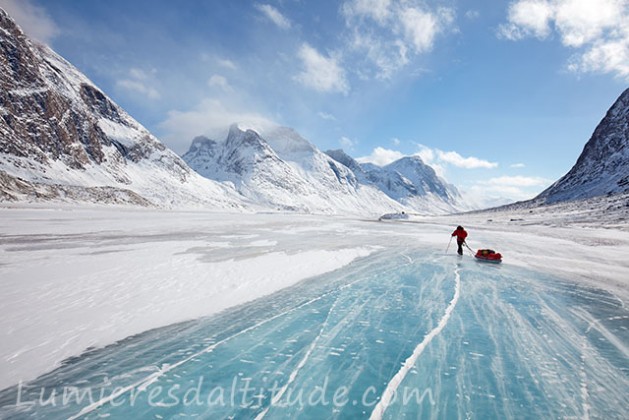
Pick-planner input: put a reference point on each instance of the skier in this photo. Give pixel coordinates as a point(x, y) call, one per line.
point(460, 234)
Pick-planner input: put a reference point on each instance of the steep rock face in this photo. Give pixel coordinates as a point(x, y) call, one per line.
point(603, 166)
point(247, 162)
point(349, 162)
point(57, 128)
point(278, 168)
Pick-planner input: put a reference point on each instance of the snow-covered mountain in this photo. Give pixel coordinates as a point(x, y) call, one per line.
point(408, 181)
point(62, 139)
point(278, 168)
point(603, 166)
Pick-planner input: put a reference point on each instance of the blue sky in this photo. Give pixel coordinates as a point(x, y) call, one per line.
point(499, 96)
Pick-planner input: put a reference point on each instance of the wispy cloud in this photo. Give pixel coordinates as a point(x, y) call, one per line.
point(378, 10)
point(498, 190)
point(321, 73)
point(472, 14)
point(274, 15)
point(211, 118)
point(518, 181)
point(596, 29)
point(228, 64)
point(220, 82)
point(326, 116)
point(347, 143)
point(388, 33)
point(517, 165)
point(139, 82)
point(33, 19)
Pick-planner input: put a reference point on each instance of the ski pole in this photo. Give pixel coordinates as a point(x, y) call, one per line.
point(468, 247)
point(449, 244)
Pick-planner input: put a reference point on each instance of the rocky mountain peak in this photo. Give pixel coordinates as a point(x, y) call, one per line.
point(62, 138)
point(603, 166)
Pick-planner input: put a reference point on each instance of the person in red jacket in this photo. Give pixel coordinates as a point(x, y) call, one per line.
point(460, 234)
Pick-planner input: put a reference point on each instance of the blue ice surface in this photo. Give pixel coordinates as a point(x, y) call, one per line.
point(518, 344)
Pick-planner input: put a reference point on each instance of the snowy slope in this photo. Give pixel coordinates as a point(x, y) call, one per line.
point(276, 167)
point(603, 166)
point(408, 181)
point(62, 139)
point(73, 284)
point(279, 169)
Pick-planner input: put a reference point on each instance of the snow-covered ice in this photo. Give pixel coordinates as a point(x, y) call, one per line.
point(384, 309)
point(77, 279)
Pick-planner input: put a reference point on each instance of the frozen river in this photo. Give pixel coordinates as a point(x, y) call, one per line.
point(403, 333)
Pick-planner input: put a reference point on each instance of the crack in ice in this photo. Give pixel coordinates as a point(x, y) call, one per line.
point(301, 364)
point(409, 363)
point(144, 383)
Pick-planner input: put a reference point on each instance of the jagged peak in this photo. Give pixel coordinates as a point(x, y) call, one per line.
point(201, 141)
point(248, 135)
point(6, 19)
point(414, 159)
point(621, 104)
point(338, 152)
point(287, 140)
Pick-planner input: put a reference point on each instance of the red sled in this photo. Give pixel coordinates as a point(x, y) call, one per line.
point(488, 255)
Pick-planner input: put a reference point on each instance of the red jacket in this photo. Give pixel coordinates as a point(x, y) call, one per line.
point(460, 234)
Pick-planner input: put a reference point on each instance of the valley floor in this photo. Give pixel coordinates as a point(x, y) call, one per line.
point(79, 278)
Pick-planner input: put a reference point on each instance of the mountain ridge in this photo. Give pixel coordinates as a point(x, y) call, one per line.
point(603, 166)
point(62, 136)
point(303, 171)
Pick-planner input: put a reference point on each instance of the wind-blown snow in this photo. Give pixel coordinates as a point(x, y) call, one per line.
point(133, 273)
point(74, 279)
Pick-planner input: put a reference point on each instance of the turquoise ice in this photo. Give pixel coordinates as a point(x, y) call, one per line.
point(402, 334)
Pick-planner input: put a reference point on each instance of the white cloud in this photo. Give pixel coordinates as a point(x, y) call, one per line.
point(517, 165)
point(33, 20)
point(493, 195)
point(323, 74)
point(426, 154)
point(388, 56)
point(395, 141)
point(381, 156)
point(604, 57)
point(135, 86)
point(596, 29)
point(439, 160)
point(472, 14)
point(210, 118)
point(218, 61)
point(459, 161)
point(218, 81)
point(388, 33)
point(347, 143)
point(274, 15)
point(499, 190)
point(582, 21)
point(326, 116)
point(139, 82)
point(420, 28)
point(528, 18)
point(518, 181)
point(228, 64)
point(378, 10)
